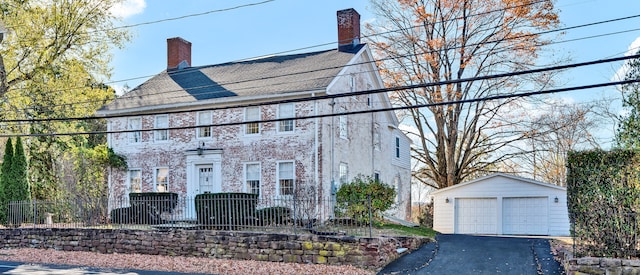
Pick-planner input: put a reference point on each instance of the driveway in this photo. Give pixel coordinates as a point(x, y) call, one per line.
point(465, 254)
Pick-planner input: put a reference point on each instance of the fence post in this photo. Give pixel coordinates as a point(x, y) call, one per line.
point(370, 216)
point(295, 220)
point(34, 213)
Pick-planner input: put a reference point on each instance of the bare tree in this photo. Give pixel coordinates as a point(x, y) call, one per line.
point(556, 129)
point(427, 41)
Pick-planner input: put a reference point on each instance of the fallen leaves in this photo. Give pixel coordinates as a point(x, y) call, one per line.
point(171, 263)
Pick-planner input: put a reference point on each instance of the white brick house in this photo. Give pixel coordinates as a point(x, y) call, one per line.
point(168, 149)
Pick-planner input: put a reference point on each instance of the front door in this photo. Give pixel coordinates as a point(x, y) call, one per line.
point(205, 179)
point(204, 175)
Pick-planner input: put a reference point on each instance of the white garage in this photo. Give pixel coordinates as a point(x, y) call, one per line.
point(501, 204)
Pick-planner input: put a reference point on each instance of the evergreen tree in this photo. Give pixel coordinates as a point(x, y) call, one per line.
point(19, 186)
point(628, 135)
point(5, 179)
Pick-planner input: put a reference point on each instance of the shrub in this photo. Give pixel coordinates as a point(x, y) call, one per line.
point(352, 198)
point(273, 215)
point(603, 198)
point(226, 210)
point(425, 215)
point(121, 215)
point(146, 208)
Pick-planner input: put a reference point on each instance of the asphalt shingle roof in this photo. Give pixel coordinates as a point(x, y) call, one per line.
point(264, 76)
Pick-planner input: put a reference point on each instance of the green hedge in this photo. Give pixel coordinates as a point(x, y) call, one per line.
point(226, 210)
point(603, 198)
point(146, 208)
point(276, 215)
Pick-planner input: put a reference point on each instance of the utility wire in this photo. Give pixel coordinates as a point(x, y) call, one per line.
point(384, 59)
point(377, 34)
point(417, 106)
point(348, 94)
point(171, 18)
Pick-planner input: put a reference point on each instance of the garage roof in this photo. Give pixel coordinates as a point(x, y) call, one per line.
point(532, 181)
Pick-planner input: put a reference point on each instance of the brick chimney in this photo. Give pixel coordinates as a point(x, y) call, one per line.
point(178, 53)
point(348, 29)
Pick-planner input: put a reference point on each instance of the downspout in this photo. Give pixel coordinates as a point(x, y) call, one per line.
point(109, 183)
point(333, 184)
point(373, 140)
point(315, 144)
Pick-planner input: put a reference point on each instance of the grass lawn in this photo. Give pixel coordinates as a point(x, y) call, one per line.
point(406, 230)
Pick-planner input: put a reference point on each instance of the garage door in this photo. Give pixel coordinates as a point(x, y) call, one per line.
point(476, 216)
point(525, 216)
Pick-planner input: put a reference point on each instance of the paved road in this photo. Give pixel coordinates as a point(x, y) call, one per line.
point(38, 269)
point(464, 254)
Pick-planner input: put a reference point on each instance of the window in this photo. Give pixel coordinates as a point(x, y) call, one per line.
point(204, 118)
point(286, 111)
point(343, 126)
point(252, 114)
point(344, 173)
point(376, 176)
point(134, 124)
point(285, 177)
point(252, 177)
point(352, 83)
point(135, 180)
point(397, 147)
point(162, 180)
point(162, 121)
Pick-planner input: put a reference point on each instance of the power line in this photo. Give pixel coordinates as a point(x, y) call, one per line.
point(377, 34)
point(417, 106)
point(173, 18)
point(390, 58)
point(348, 94)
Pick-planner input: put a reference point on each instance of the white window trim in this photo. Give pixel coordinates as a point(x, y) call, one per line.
point(156, 133)
point(343, 125)
point(352, 83)
point(278, 176)
point(138, 132)
point(155, 178)
point(259, 124)
point(293, 115)
point(247, 188)
point(346, 175)
point(129, 189)
point(198, 123)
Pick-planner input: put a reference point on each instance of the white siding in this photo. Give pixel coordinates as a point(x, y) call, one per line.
point(358, 150)
point(501, 187)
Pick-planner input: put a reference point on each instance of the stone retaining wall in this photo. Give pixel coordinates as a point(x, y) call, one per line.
point(370, 253)
point(597, 265)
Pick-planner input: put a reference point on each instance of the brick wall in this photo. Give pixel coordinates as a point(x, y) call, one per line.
point(370, 253)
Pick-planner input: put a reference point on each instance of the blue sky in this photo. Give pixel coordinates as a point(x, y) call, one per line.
point(283, 25)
